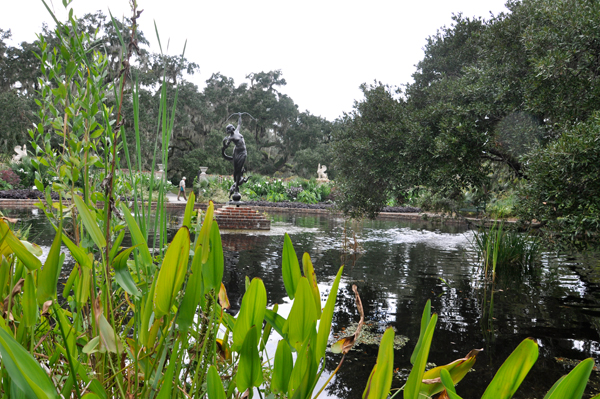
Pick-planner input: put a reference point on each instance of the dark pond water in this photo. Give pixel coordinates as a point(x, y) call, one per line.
point(400, 266)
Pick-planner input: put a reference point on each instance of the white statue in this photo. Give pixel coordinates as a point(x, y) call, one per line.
point(322, 176)
point(21, 153)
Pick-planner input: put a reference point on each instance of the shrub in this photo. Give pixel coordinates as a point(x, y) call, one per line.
point(563, 182)
point(8, 179)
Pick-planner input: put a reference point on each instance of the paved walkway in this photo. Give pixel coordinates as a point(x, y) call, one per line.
point(173, 198)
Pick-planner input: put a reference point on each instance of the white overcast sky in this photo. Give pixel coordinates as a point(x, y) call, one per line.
point(325, 48)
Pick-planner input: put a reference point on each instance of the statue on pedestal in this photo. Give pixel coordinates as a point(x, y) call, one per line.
point(239, 156)
point(321, 175)
point(20, 153)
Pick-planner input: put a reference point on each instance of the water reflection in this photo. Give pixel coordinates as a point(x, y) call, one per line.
point(399, 266)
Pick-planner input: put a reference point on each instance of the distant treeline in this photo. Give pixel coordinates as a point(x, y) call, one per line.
point(281, 141)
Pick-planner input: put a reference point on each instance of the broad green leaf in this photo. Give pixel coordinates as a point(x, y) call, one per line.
point(189, 208)
point(513, 371)
point(17, 247)
point(78, 253)
point(327, 316)
point(573, 384)
point(107, 336)
point(276, 321)
point(212, 270)
point(90, 395)
point(24, 370)
point(122, 274)
point(413, 384)
point(304, 373)
point(249, 373)
point(282, 367)
point(424, 321)
point(137, 237)
point(4, 276)
point(290, 268)
point(147, 306)
point(115, 246)
point(29, 303)
point(457, 370)
point(380, 380)
point(309, 273)
point(448, 383)
point(89, 221)
point(82, 285)
point(33, 248)
point(267, 330)
point(302, 315)
point(252, 312)
point(172, 272)
point(214, 384)
point(48, 276)
point(204, 235)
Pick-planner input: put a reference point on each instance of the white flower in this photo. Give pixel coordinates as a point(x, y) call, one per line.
point(21, 170)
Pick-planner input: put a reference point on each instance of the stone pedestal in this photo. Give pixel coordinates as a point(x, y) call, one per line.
point(202, 175)
point(233, 217)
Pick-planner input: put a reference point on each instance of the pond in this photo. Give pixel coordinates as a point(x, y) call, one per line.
point(398, 267)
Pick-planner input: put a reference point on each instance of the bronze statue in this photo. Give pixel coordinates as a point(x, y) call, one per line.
point(239, 156)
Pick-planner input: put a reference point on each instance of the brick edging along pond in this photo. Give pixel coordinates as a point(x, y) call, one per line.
point(31, 203)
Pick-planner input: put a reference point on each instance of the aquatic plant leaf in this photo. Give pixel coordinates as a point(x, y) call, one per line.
point(122, 274)
point(572, 385)
point(17, 247)
point(448, 383)
point(513, 371)
point(33, 248)
point(214, 384)
point(424, 321)
point(167, 386)
point(380, 380)
point(4, 276)
point(457, 369)
point(137, 237)
point(345, 344)
point(78, 253)
point(304, 373)
point(82, 285)
point(223, 299)
point(89, 221)
point(282, 367)
point(252, 312)
point(24, 370)
point(413, 384)
point(249, 373)
point(309, 273)
point(302, 315)
point(48, 276)
point(28, 301)
point(189, 209)
point(204, 235)
point(172, 272)
point(116, 246)
point(327, 316)
point(212, 270)
point(276, 321)
point(290, 267)
point(147, 307)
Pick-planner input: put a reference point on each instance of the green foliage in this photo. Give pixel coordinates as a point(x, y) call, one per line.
point(563, 183)
point(506, 248)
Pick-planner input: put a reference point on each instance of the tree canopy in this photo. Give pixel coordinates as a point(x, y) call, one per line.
point(487, 94)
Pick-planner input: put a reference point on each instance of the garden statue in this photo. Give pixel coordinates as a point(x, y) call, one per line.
point(321, 175)
point(239, 156)
point(21, 153)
